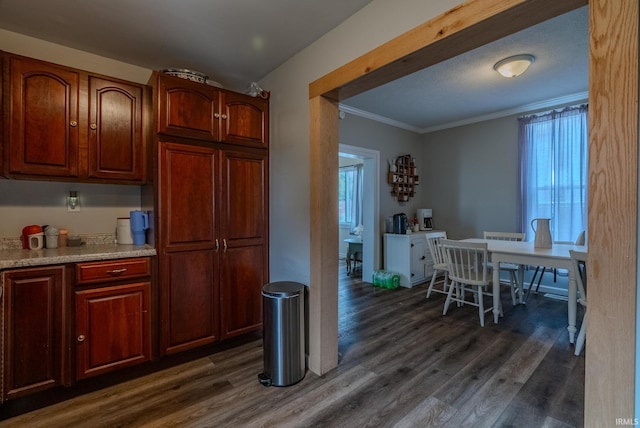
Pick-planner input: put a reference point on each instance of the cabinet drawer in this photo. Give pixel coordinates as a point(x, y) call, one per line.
point(92, 272)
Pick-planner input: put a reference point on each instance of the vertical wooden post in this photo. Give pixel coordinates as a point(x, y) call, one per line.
point(613, 212)
point(323, 207)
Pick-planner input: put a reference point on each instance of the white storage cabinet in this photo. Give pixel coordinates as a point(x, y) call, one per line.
point(409, 256)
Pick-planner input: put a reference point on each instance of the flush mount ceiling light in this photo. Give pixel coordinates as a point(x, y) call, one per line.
point(514, 65)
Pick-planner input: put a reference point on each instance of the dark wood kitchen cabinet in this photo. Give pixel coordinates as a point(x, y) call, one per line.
point(67, 124)
point(35, 330)
point(43, 109)
point(213, 243)
point(244, 231)
point(194, 110)
point(112, 315)
point(188, 247)
point(116, 142)
point(210, 198)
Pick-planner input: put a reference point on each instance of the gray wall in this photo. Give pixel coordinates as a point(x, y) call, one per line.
point(25, 202)
point(468, 174)
point(472, 176)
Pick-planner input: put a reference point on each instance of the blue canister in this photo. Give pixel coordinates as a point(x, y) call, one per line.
point(139, 223)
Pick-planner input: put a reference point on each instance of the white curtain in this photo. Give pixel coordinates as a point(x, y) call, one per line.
point(356, 199)
point(553, 171)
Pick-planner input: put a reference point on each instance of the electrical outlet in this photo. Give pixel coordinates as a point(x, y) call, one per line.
point(73, 202)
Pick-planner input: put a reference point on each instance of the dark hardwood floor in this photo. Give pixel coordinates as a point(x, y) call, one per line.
point(402, 364)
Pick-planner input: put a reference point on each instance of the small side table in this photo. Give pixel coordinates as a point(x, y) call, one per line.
point(354, 251)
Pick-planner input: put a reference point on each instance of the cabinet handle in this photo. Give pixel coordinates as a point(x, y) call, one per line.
point(224, 244)
point(117, 271)
point(73, 123)
point(224, 116)
point(216, 115)
point(81, 338)
point(411, 245)
point(93, 126)
point(217, 245)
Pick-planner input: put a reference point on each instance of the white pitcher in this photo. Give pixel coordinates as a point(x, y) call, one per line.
point(542, 233)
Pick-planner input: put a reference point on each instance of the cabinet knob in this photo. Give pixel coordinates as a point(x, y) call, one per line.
point(224, 116)
point(216, 115)
point(81, 338)
point(73, 123)
point(93, 126)
point(423, 257)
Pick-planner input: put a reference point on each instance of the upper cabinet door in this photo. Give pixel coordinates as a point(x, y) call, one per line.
point(115, 135)
point(187, 109)
point(43, 122)
point(187, 181)
point(243, 202)
point(245, 120)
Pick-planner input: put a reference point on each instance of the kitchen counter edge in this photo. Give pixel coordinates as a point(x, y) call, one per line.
point(83, 253)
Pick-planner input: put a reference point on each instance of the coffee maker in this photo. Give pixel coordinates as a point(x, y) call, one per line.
point(425, 218)
point(400, 223)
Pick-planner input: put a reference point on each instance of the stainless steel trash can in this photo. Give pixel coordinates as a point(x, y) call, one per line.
point(283, 333)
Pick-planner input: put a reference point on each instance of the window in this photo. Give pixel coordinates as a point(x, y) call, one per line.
point(553, 171)
point(350, 196)
point(346, 177)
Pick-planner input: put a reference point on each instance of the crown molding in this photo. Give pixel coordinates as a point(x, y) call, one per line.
point(376, 117)
point(554, 102)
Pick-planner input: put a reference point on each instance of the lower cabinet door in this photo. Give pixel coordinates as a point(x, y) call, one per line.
point(34, 340)
point(112, 328)
point(418, 260)
point(241, 280)
point(189, 300)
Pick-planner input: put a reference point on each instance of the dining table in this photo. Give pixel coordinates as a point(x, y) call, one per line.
point(523, 253)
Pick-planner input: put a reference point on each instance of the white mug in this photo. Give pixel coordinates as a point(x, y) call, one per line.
point(36, 241)
point(52, 241)
point(123, 231)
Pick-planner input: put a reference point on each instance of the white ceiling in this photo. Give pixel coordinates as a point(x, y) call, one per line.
point(236, 42)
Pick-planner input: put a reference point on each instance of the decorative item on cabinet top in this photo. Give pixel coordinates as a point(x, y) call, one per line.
point(183, 73)
point(403, 177)
point(256, 91)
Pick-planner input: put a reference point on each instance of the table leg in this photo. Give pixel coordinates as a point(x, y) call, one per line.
point(572, 305)
point(521, 282)
point(496, 291)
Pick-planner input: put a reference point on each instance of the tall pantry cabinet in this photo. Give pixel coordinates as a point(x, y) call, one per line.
point(209, 194)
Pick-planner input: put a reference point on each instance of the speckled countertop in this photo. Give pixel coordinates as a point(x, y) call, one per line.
point(96, 246)
point(14, 258)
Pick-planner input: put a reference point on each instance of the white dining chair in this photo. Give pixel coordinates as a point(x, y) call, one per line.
point(468, 272)
point(579, 265)
point(439, 262)
point(515, 287)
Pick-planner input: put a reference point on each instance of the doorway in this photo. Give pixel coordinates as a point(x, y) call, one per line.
point(370, 207)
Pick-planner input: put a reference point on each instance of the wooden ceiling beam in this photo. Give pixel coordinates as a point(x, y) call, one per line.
point(466, 27)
